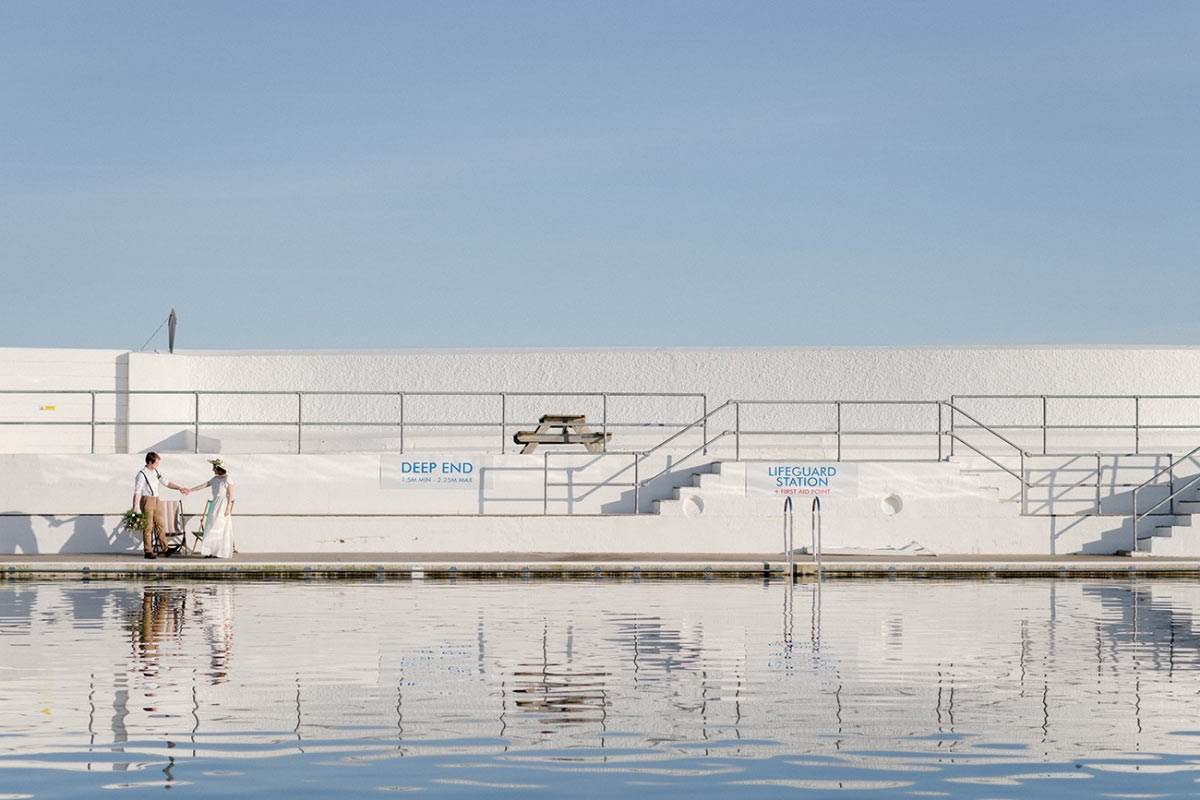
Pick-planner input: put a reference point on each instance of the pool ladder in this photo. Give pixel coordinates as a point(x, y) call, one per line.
point(789, 536)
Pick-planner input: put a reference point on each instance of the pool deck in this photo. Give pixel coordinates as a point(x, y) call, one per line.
point(585, 566)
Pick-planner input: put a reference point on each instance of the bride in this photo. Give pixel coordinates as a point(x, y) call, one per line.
point(217, 541)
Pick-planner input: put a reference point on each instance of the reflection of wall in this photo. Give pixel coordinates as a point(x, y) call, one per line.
point(1060, 667)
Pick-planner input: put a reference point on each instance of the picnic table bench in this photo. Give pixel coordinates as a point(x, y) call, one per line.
point(562, 429)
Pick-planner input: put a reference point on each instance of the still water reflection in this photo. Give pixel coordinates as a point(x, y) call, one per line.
point(973, 689)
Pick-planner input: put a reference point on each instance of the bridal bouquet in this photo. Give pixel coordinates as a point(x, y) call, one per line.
point(134, 520)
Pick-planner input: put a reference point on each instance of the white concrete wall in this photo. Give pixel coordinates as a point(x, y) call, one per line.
point(46, 392)
point(345, 503)
point(71, 505)
point(854, 374)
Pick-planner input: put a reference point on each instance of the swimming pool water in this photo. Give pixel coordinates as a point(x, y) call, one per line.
point(601, 689)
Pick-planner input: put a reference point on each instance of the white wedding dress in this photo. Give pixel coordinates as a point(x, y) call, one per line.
point(218, 527)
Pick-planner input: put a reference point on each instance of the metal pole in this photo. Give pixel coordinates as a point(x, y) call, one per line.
point(1097, 483)
point(1024, 487)
point(545, 482)
point(401, 423)
point(737, 428)
point(1043, 424)
point(604, 422)
point(299, 420)
point(503, 420)
point(1137, 424)
point(1171, 491)
point(636, 485)
point(789, 536)
point(93, 423)
point(838, 405)
point(196, 426)
point(1135, 522)
point(952, 404)
point(816, 533)
point(939, 430)
point(704, 416)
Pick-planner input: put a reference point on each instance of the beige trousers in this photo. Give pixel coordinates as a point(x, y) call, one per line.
point(155, 522)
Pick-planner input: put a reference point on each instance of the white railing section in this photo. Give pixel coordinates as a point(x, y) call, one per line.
point(1030, 444)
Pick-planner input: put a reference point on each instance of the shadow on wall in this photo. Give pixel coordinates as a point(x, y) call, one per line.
point(1117, 538)
point(16, 534)
point(87, 534)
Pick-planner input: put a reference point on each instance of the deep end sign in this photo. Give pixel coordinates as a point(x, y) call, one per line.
point(400, 472)
point(817, 478)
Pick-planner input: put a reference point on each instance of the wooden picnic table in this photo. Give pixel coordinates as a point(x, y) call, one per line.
point(562, 429)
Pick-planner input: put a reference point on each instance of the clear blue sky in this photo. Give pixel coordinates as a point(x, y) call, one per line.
point(395, 174)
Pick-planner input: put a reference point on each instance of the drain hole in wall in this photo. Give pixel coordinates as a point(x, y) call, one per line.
point(891, 505)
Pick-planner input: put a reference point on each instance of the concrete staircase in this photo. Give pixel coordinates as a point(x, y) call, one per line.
point(1158, 534)
point(982, 501)
point(717, 478)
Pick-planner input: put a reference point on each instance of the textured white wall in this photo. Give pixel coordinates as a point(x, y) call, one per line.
point(933, 373)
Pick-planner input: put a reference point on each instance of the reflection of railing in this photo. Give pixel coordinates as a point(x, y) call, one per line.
point(397, 418)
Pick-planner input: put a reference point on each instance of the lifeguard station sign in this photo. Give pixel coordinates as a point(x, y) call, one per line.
point(802, 478)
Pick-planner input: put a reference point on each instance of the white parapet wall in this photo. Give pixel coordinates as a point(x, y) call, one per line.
point(385, 503)
point(198, 400)
point(318, 443)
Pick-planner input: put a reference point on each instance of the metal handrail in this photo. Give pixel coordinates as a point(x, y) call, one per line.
point(401, 423)
point(956, 410)
point(789, 537)
point(816, 533)
point(685, 429)
point(1137, 427)
point(1170, 468)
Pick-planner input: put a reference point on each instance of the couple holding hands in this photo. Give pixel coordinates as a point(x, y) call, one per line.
point(216, 540)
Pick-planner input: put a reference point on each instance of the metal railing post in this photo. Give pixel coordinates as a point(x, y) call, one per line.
point(604, 422)
point(838, 407)
point(637, 485)
point(1171, 490)
point(1137, 425)
point(401, 423)
point(939, 429)
point(953, 405)
point(503, 421)
point(299, 420)
point(196, 425)
point(737, 431)
point(704, 416)
point(93, 423)
point(1135, 520)
point(545, 482)
point(1024, 487)
point(1043, 424)
point(1097, 483)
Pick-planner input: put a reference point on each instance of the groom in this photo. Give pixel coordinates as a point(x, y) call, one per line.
point(146, 487)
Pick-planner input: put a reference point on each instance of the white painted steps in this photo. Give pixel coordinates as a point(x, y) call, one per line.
point(964, 489)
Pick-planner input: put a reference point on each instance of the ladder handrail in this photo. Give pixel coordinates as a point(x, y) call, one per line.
point(789, 536)
point(816, 533)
